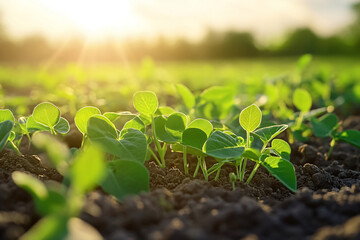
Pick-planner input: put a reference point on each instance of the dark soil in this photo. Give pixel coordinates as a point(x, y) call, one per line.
point(326, 206)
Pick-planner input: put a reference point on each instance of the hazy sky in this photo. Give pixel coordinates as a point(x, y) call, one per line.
point(189, 18)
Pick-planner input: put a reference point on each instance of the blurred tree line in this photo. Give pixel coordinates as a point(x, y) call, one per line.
point(214, 45)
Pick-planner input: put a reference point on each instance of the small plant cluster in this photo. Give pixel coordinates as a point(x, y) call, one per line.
point(319, 122)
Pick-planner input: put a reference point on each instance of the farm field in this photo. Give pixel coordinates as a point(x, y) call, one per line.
point(244, 149)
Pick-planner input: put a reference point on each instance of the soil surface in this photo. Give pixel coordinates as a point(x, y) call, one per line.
point(326, 206)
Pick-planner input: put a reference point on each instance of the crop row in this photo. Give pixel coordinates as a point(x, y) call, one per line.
point(151, 132)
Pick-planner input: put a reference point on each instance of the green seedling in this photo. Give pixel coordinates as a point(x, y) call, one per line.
point(60, 204)
point(232, 178)
point(276, 158)
point(146, 103)
point(249, 119)
point(126, 173)
point(81, 119)
point(328, 125)
point(302, 100)
point(47, 117)
point(7, 133)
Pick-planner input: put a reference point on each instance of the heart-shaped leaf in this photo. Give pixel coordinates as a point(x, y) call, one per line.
point(176, 124)
point(47, 114)
point(82, 116)
point(323, 126)
point(283, 170)
point(131, 145)
point(6, 114)
point(250, 118)
point(350, 136)
point(5, 130)
point(146, 102)
point(281, 148)
point(268, 133)
point(202, 124)
point(125, 178)
point(222, 145)
point(302, 100)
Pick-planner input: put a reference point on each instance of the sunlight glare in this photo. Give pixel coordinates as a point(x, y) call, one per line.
point(96, 18)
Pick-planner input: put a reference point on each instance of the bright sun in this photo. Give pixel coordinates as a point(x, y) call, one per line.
point(96, 18)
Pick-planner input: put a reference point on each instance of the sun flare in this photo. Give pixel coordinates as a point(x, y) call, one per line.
point(96, 18)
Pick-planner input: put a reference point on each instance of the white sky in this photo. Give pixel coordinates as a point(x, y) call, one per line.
point(172, 18)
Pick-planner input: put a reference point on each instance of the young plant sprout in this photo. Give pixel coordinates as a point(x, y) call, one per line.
point(146, 103)
point(328, 125)
point(232, 177)
point(60, 204)
point(275, 158)
point(47, 117)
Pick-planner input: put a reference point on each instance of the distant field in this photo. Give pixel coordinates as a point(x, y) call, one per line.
point(111, 86)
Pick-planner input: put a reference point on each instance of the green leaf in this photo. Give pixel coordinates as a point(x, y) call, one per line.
point(164, 110)
point(82, 116)
point(112, 116)
point(268, 133)
point(250, 118)
point(186, 95)
point(202, 124)
point(194, 137)
point(302, 100)
point(281, 148)
point(63, 126)
point(100, 127)
point(222, 145)
point(146, 102)
point(52, 227)
point(324, 126)
point(22, 124)
point(283, 170)
point(135, 123)
point(252, 154)
point(176, 124)
point(5, 130)
point(303, 62)
point(6, 114)
point(33, 126)
point(125, 178)
point(177, 147)
point(350, 136)
point(32, 185)
point(161, 132)
point(47, 114)
point(88, 169)
point(131, 145)
point(57, 151)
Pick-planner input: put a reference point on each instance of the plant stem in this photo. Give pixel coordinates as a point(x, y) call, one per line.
point(299, 120)
point(233, 186)
point(203, 168)
point(15, 147)
point(155, 157)
point(157, 144)
point(217, 174)
point(238, 169)
point(332, 144)
point(253, 172)
point(197, 167)
point(186, 169)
